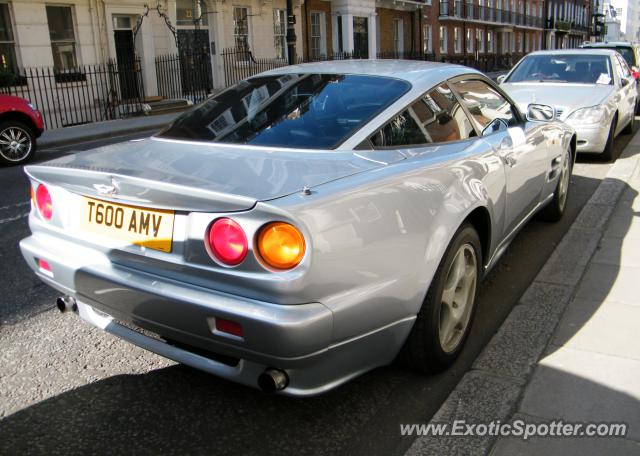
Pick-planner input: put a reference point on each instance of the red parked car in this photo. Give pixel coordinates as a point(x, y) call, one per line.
point(20, 125)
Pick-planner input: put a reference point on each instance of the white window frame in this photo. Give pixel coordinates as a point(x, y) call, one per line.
point(235, 29)
point(427, 44)
point(480, 40)
point(74, 41)
point(469, 40)
point(443, 39)
point(490, 42)
point(322, 37)
point(280, 33)
point(398, 35)
point(457, 40)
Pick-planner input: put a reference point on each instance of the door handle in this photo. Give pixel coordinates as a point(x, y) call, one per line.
point(509, 159)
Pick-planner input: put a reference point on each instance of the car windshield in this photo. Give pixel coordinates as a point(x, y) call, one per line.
point(313, 111)
point(574, 68)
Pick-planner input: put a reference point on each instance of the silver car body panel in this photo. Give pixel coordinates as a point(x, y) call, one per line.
point(566, 98)
point(376, 223)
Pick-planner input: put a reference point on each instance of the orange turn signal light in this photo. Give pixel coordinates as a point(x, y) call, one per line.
point(281, 245)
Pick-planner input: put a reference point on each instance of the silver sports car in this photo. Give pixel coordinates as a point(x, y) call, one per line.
point(592, 90)
point(304, 226)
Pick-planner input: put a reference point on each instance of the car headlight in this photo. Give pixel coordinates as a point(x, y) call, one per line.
point(592, 115)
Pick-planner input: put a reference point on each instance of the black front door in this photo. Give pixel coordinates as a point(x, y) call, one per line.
point(128, 73)
point(360, 37)
point(195, 62)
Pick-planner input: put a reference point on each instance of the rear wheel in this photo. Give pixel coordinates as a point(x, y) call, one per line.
point(444, 320)
point(554, 210)
point(607, 153)
point(17, 143)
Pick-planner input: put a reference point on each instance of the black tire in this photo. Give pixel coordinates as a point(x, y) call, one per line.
point(14, 129)
point(629, 128)
point(423, 351)
point(607, 153)
point(554, 210)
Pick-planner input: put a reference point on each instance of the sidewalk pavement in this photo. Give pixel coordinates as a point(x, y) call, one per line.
point(58, 137)
point(570, 349)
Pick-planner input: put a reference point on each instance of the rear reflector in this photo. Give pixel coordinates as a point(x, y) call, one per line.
point(44, 267)
point(229, 327)
point(42, 264)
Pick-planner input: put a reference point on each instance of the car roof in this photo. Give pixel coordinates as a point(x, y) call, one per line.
point(421, 74)
point(609, 44)
point(575, 51)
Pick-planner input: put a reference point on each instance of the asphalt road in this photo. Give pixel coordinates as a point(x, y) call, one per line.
point(68, 388)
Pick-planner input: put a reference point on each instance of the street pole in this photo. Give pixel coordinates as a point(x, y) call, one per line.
point(291, 33)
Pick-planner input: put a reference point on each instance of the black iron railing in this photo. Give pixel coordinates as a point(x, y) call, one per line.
point(185, 75)
point(88, 93)
point(467, 10)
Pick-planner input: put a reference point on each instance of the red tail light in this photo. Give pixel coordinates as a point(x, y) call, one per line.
point(227, 242)
point(635, 74)
point(43, 201)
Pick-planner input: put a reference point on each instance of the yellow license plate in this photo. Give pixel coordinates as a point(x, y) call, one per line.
point(152, 228)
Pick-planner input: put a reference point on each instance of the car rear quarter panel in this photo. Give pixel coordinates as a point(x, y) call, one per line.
point(377, 238)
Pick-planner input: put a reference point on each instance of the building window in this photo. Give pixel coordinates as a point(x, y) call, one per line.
point(62, 35)
point(279, 28)
point(469, 40)
point(191, 12)
point(428, 45)
point(489, 41)
point(443, 39)
point(398, 36)
point(457, 40)
point(241, 27)
point(8, 60)
point(480, 40)
point(316, 35)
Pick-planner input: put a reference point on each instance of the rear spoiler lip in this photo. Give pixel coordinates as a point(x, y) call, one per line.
point(139, 191)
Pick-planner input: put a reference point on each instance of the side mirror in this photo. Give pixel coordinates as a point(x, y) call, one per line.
point(500, 79)
point(540, 113)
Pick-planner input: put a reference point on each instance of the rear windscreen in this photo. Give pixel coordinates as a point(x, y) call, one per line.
point(313, 111)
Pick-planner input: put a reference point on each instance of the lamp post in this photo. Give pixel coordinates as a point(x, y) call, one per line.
point(291, 33)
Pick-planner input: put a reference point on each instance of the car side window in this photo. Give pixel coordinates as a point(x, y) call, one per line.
point(624, 67)
point(484, 103)
point(434, 118)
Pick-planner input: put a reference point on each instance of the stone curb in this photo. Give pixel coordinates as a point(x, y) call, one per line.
point(491, 390)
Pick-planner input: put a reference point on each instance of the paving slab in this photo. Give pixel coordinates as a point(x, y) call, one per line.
point(577, 385)
point(565, 446)
point(601, 327)
point(618, 251)
point(623, 226)
point(608, 282)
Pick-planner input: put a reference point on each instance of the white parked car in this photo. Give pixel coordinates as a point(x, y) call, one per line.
point(592, 90)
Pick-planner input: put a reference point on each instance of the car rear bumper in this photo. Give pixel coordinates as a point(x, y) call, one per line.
point(177, 320)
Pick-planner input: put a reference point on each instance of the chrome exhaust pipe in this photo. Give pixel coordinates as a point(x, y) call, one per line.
point(273, 380)
point(66, 304)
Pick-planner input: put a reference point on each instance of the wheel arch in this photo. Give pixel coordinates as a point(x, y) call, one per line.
point(19, 117)
point(480, 219)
